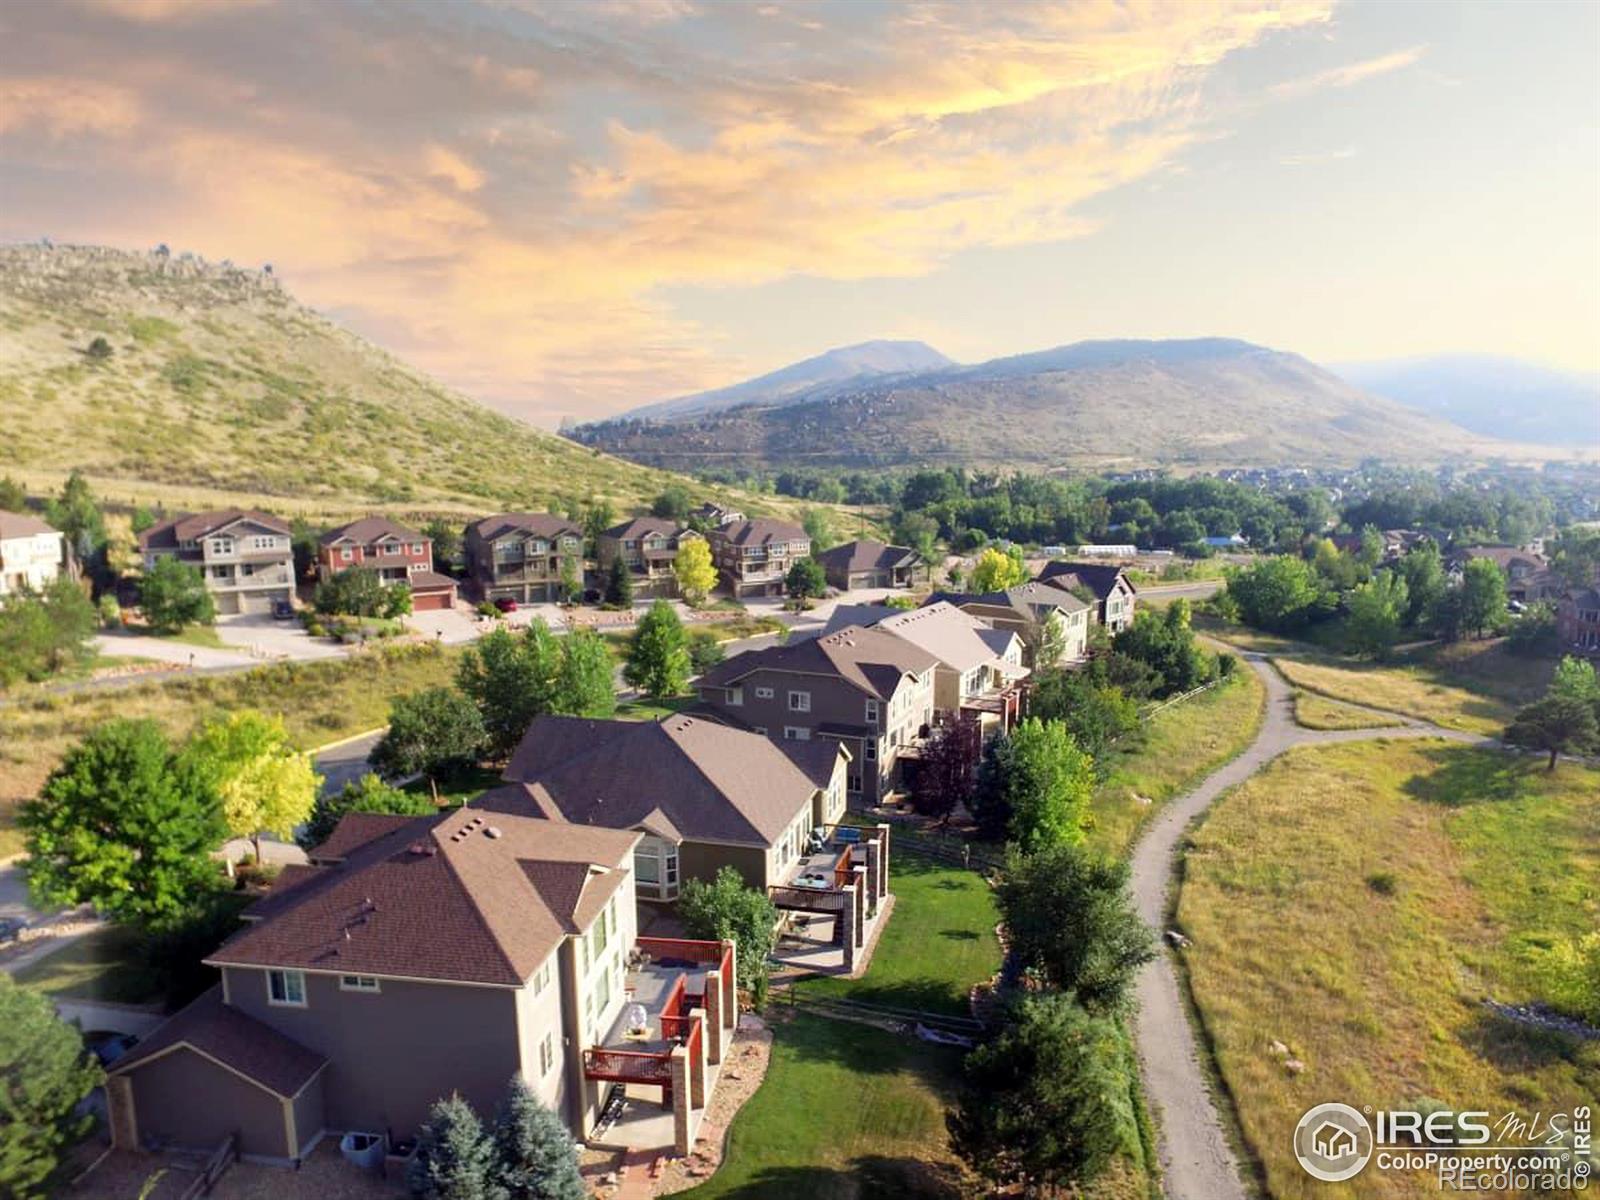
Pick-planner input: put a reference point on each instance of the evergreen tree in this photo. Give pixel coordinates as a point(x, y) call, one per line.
point(806, 580)
point(455, 1159)
point(44, 1075)
point(658, 655)
point(619, 585)
point(1555, 725)
point(76, 513)
point(535, 1157)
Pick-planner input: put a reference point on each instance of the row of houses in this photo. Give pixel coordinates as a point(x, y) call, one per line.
point(413, 958)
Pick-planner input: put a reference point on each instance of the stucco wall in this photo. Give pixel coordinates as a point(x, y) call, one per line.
point(187, 1100)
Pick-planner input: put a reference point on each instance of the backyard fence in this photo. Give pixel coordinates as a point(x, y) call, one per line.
point(904, 1020)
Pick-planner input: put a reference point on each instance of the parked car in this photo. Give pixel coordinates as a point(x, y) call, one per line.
point(283, 610)
point(108, 1047)
point(506, 604)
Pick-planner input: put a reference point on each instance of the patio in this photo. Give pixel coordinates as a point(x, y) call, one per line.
point(832, 902)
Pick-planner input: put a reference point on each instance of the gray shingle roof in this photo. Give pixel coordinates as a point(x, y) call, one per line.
point(868, 658)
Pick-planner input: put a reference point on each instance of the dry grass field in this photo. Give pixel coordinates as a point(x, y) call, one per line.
point(1357, 903)
point(1318, 712)
point(1413, 690)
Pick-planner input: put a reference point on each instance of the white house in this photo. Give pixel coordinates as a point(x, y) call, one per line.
point(31, 553)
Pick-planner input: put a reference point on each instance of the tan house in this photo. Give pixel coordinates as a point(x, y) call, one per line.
point(865, 564)
point(419, 957)
point(648, 545)
point(1105, 586)
point(1037, 612)
point(31, 554)
point(865, 688)
point(752, 557)
point(245, 557)
point(521, 556)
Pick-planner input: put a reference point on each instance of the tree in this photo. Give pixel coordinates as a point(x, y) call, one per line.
point(99, 349)
point(42, 635)
point(511, 678)
point(658, 654)
point(1034, 786)
point(1423, 570)
point(1275, 593)
point(76, 513)
point(998, 570)
point(173, 595)
point(45, 1074)
point(1377, 610)
point(124, 825)
point(1043, 640)
point(571, 580)
point(673, 504)
point(1575, 679)
point(619, 585)
point(726, 908)
point(1483, 595)
point(583, 685)
point(455, 1158)
point(369, 794)
point(948, 770)
point(436, 733)
point(1047, 1104)
point(598, 516)
point(13, 498)
point(534, 1155)
point(446, 538)
point(1095, 713)
point(805, 580)
point(705, 651)
point(818, 524)
point(1167, 644)
point(265, 784)
point(358, 592)
point(921, 533)
point(1556, 725)
point(693, 570)
point(1070, 918)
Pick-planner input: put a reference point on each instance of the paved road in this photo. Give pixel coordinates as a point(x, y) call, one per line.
point(1196, 1159)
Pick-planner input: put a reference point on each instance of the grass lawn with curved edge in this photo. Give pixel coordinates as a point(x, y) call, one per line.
point(1411, 690)
point(1312, 711)
point(1357, 903)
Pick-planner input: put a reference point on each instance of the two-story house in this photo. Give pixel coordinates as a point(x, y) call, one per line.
point(31, 554)
point(866, 688)
point(396, 553)
point(245, 557)
point(1578, 621)
point(1105, 585)
point(979, 670)
point(423, 956)
point(521, 556)
point(648, 545)
point(866, 564)
point(752, 557)
point(704, 795)
point(1527, 574)
point(1043, 616)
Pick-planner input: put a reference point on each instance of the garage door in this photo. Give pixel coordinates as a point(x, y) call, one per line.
point(430, 601)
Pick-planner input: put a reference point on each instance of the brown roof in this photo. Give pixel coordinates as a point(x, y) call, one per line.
point(21, 525)
point(1099, 578)
point(684, 776)
point(452, 897)
point(429, 581)
point(641, 527)
point(255, 1050)
point(761, 531)
point(355, 830)
point(1503, 556)
point(866, 556)
point(545, 525)
point(871, 660)
point(370, 529)
point(191, 527)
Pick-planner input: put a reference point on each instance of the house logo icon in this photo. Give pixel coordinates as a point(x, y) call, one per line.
point(1333, 1142)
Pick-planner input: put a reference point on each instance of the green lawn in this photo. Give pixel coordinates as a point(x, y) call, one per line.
point(108, 964)
point(846, 1112)
point(938, 943)
point(653, 710)
point(195, 635)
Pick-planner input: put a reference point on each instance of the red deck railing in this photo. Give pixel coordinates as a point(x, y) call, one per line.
point(843, 875)
point(693, 951)
point(675, 1020)
point(628, 1066)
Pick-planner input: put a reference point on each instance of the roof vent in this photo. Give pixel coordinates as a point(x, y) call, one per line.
point(493, 831)
point(423, 849)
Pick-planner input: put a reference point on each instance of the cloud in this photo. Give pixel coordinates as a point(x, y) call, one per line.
point(504, 193)
point(1349, 74)
point(1318, 157)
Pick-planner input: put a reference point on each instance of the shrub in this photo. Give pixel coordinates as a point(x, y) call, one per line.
point(726, 908)
point(47, 1075)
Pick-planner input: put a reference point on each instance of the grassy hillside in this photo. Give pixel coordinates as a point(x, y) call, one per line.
point(1195, 405)
point(218, 386)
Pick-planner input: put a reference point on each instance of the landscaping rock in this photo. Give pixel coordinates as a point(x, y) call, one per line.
point(1294, 1066)
point(1277, 1049)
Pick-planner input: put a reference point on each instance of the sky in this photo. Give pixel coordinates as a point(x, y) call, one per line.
point(569, 209)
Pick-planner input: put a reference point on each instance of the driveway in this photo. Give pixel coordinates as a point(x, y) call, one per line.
point(262, 637)
point(1196, 1159)
point(120, 642)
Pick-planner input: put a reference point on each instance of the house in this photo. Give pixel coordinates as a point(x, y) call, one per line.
point(1578, 621)
point(711, 515)
point(979, 667)
point(245, 557)
point(1527, 575)
point(418, 957)
point(521, 556)
point(1107, 586)
point(648, 545)
point(752, 557)
point(31, 553)
point(866, 564)
point(866, 688)
point(396, 553)
point(1028, 610)
point(704, 795)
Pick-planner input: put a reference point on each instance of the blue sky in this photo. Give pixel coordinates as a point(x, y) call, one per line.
point(570, 209)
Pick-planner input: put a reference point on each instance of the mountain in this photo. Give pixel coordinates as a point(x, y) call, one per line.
point(846, 365)
point(1498, 397)
point(216, 387)
point(1103, 405)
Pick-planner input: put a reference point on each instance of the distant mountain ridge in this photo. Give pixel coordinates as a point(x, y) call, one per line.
point(1489, 394)
point(1115, 404)
point(841, 366)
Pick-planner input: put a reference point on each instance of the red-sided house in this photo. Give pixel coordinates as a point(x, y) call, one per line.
point(397, 554)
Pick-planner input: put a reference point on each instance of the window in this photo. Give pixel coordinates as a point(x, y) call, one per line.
point(762, 730)
point(346, 554)
point(872, 712)
point(796, 733)
point(416, 547)
point(541, 979)
point(264, 543)
point(358, 983)
point(763, 693)
point(799, 701)
point(601, 936)
point(547, 1055)
point(286, 988)
point(871, 747)
point(736, 696)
